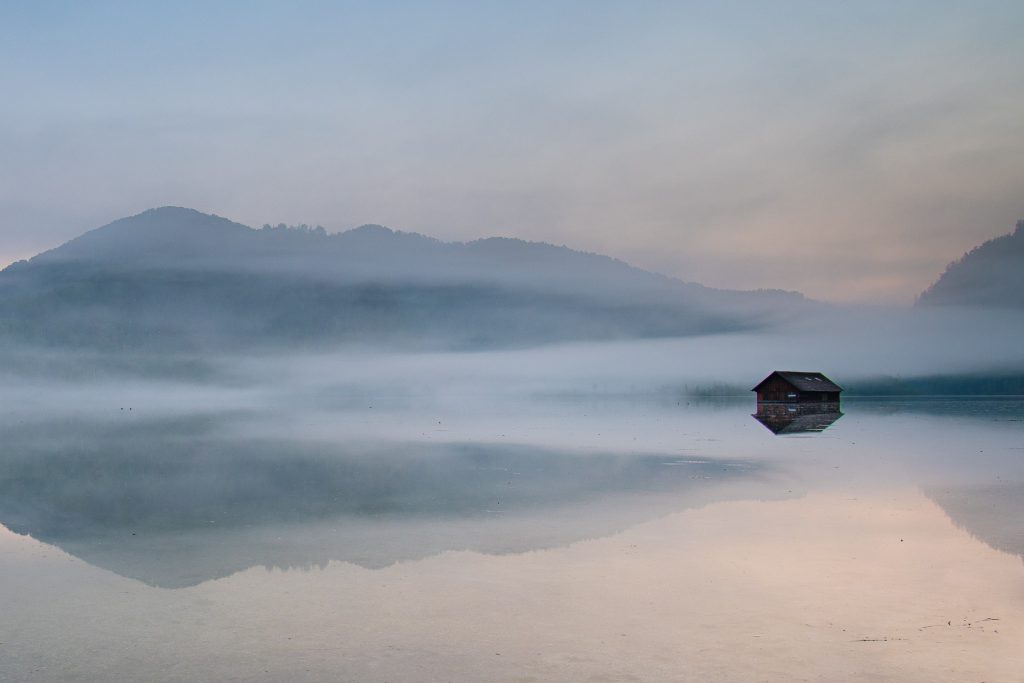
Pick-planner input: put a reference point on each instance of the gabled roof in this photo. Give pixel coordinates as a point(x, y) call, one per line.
point(803, 381)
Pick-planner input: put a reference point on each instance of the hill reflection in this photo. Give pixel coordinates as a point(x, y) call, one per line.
point(983, 511)
point(175, 502)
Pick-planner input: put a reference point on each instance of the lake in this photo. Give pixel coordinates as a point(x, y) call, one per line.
point(556, 537)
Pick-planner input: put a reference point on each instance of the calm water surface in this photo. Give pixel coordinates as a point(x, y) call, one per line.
point(555, 539)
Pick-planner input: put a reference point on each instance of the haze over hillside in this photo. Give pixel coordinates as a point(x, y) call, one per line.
point(990, 275)
point(174, 278)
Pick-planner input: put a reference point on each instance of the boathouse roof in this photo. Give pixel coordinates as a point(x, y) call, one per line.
point(803, 381)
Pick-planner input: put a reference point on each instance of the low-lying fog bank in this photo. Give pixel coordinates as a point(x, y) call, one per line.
point(866, 351)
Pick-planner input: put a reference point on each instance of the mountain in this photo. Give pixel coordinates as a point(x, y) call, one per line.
point(989, 275)
point(177, 279)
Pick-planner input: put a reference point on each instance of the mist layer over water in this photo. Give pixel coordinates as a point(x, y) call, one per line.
point(555, 513)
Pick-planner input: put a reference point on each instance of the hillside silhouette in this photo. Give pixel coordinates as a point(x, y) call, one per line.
point(990, 275)
point(175, 278)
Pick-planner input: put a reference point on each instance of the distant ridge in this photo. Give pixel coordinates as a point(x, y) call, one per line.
point(181, 237)
point(176, 277)
point(990, 275)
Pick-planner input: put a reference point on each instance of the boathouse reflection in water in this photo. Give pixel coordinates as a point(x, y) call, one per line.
point(796, 418)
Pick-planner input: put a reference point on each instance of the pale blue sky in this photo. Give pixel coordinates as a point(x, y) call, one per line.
point(848, 150)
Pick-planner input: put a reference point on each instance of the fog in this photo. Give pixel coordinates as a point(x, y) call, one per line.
point(180, 473)
point(176, 294)
point(174, 279)
point(377, 459)
point(846, 344)
point(486, 413)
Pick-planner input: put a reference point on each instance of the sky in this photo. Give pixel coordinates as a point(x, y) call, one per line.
point(845, 150)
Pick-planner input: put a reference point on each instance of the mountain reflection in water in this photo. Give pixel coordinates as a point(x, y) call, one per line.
point(994, 514)
point(176, 502)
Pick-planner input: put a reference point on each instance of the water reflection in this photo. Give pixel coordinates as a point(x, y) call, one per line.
point(795, 418)
point(990, 513)
point(878, 579)
point(176, 502)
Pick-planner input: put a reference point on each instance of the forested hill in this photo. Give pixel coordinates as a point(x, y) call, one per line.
point(990, 275)
point(179, 279)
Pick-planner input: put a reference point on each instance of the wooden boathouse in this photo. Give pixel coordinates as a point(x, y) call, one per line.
point(789, 386)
